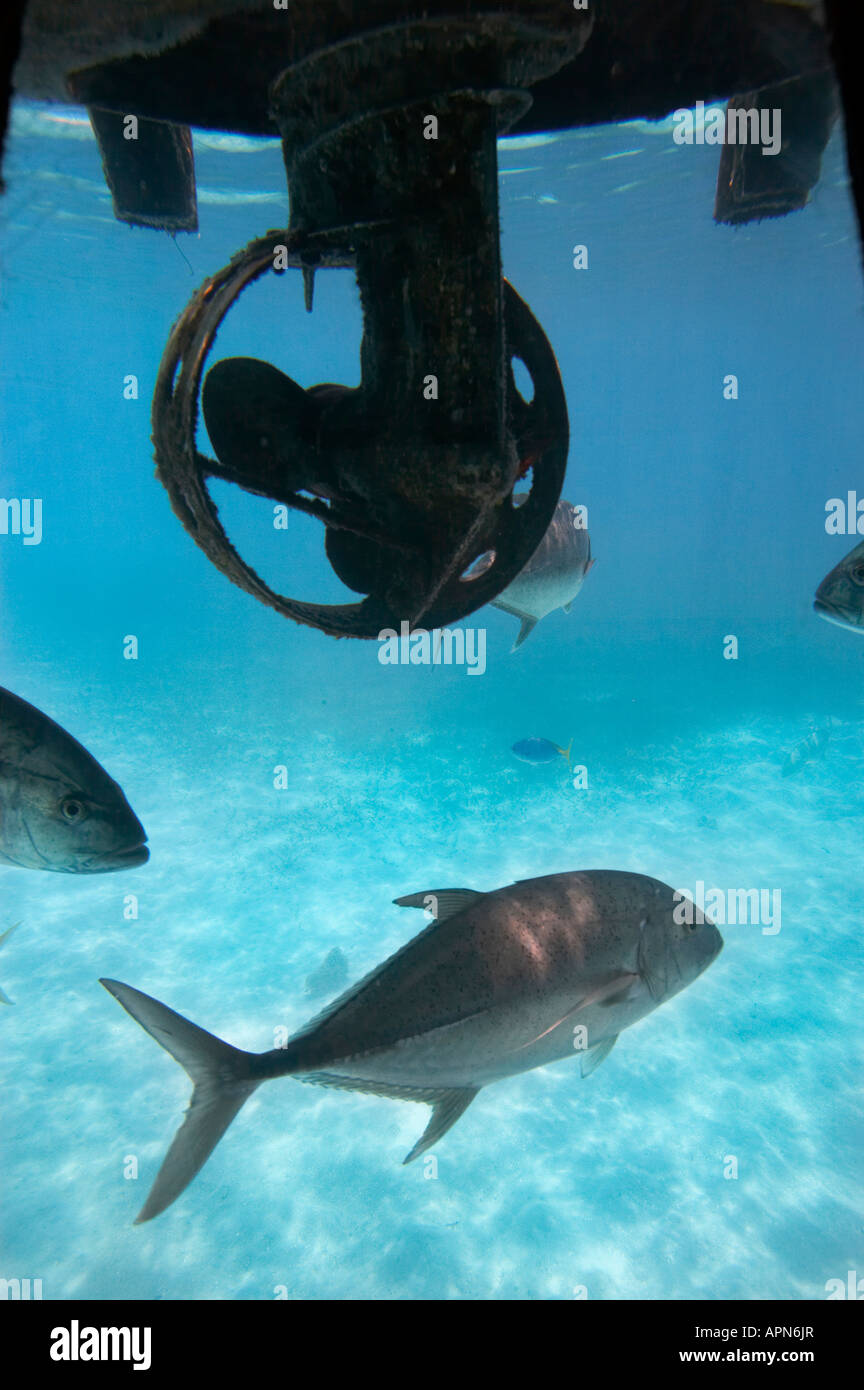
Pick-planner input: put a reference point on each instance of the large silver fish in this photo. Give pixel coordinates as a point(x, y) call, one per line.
point(840, 597)
point(553, 576)
point(59, 809)
point(500, 983)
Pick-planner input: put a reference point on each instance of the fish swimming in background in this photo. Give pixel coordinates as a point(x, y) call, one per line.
point(840, 597)
point(59, 809)
point(498, 984)
point(540, 750)
point(332, 974)
point(807, 751)
point(4, 998)
point(553, 576)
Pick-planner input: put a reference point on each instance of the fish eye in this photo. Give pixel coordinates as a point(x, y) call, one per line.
point(857, 574)
point(72, 809)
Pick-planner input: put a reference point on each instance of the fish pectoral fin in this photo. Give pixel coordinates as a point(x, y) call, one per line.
point(441, 902)
point(445, 1113)
point(528, 626)
point(595, 1055)
point(631, 987)
point(567, 606)
point(613, 992)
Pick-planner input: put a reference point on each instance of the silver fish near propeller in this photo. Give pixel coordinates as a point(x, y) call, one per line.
point(553, 576)
point(59, 809)
point(498, 984)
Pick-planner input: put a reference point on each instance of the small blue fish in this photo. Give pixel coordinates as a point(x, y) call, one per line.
point(540, 750)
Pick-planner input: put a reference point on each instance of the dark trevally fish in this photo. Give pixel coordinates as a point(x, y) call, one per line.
point(332, 974)
point(553, 576)
point(59, 809)
point(498, 984)
point(4, 998)
point(807, 751)
point(840, 597)
point(540, 750)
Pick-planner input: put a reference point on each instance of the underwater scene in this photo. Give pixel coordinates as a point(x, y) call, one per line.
point(678, 756)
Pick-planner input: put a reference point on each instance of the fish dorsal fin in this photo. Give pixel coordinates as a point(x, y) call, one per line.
point(412, 900)
point(449, 901)
point(595, 1055)
point(445, 1113)
point(441, 902)
point(528, 626)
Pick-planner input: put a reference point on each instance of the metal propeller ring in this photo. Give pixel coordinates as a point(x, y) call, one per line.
point(506, 536)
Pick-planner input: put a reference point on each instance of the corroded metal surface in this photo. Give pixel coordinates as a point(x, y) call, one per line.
point(642, 59)
point(750, 185)
point(152, 174)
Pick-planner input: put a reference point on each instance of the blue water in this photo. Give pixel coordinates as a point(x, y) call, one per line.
point(706, 519)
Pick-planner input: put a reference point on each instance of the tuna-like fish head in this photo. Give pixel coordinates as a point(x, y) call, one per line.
point(840, 597)
point(59, 809)
point(676, 943)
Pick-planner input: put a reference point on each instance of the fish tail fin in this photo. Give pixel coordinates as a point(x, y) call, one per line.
point(565, 752)
point(528, 626)
point(223, 1077)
